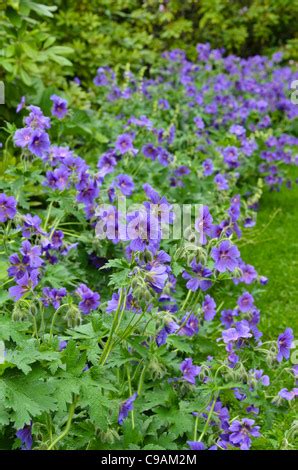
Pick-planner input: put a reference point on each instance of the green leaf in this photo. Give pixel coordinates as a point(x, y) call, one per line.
point(25, 397)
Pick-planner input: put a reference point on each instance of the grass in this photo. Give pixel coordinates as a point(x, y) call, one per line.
point(272, 247)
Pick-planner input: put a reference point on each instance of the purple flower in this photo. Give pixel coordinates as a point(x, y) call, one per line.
point(245, 302)
point(163, 103)
point(288, 395)
point(181, 171)
point(209, 308)
point(104, 76)
point(131, 304)
point(199, 122)
point(36, 119)
point(189, 371)
point(90, 300)
point(62, 345)
point(156, 275)
point(25, 435)
point(249, 274)
point(227, 317)
point(164, 157)
point(106, 164)
point(208, 167)
point(150, 151)
point(59, 108)
point(21, 104)
point(26, 283)
point(241, 432)
point(53, 296)
point(225, 256)
point(160, 208)
point(260, 377)
point(253, 409)
point(125, 184)
point(56, 239)
point(241, 330)
point(200, 280)
point(18, 266)
point(126, 407)
point(143, 231)
point(263, 280)
point(196, 445)
point(221, 182)
point(237, 130)
point(190, 325)
point(88, 190)
point(31, 255)
point(124, 144)
point(249, 222)
point(22, 137)
point(31, 226)
point(284, 344)
point(39, 143)
point(58, 179)
point(203, 224)
point(230, 155)
point(8, 206)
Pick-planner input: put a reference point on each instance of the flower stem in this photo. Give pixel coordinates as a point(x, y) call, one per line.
point(186, 300)
point(67, 427)
point(108, 346)
point(54, 319)
point(208, 419)
point(130, 394)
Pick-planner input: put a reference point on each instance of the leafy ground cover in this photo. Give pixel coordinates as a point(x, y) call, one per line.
point(119, 330)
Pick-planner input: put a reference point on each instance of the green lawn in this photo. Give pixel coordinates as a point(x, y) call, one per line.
point(272, 247)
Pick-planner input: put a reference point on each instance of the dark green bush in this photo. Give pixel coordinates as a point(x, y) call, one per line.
point(105, 32)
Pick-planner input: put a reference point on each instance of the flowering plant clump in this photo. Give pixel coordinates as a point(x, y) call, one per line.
point(128, 315)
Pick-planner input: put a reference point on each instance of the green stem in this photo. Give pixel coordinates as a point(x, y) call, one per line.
point(67, 427)
point(141, 380)
point(195, 434)
point(108, 346)
point(130, 394)
point(129, 329)
point(208, 419)
point(186, 300)
point(54, 319)
point(48, 215)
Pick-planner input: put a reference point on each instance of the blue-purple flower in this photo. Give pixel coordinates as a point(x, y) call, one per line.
point(242, 432)
point(245, 302)
point(225, 256)
point(189, 371)
point(189, 325)
point(209, 308)
point(125, 184)
point(196, 445)
point(200, 279)
point(25, 436)
point(288, 394)
point(90, 300)
point(39, 143)
point(124, 144)
point(59, 108)
point(126, 407)
point(8, 206)
point(203, 224)
point(284, 344)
